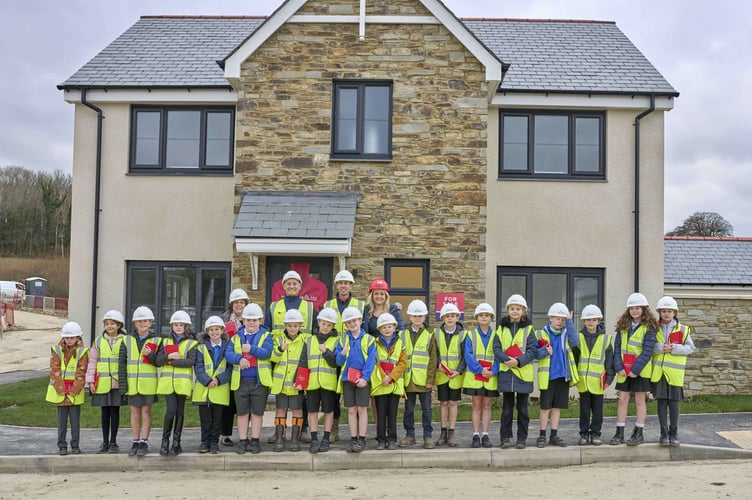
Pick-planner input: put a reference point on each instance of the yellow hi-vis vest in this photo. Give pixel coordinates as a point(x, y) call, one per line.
point(107, 363)
point(633, 345)
point(278, 310)
point(525, 373)
point(450, 355)
point(397, 386)
point(353, 302)
point(481, 354)
point(365, 341)
point(263, 366)
point(142, 377)
point(323, 375)
point(417, 356)
point(592, 364)
point(219, 395)
point(177, 380)
point(670, 365)
point(68, 373)
point(286, 367)
point(544, 365)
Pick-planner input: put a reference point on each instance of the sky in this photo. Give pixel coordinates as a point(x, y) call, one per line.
point(703, 49)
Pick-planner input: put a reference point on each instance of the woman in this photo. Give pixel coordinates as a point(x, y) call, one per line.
point(238, 300)
point(377, 304)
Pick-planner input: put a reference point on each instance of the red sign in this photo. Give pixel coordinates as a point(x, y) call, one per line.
point(458, 299)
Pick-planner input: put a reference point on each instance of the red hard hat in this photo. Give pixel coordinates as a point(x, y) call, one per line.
point(379, 284)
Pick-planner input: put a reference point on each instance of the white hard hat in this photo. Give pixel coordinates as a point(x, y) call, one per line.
point(114, 315)
point(214, 321)
point(293, 316)
point(637, 299)
point(329, 314)
point(448, 308)
point(71, 329)
point(292, 275)
point(667, 302)
point(143, 312)
point(516, 299)
point(180, 317)
point(591, 311)
point(238, 294)
point(559, 310)
point(351, 313)
point(417, 308)
point(386, 319)
point(344, 276)
point(484, 307)
point(252, 311)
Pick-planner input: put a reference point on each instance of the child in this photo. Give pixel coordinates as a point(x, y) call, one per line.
point(289, 354)
point(673, 344)
point(177, 357)
point(252, 349)
point(103, 376)
point(480, 378)
point(212, 390)
point(420, 373)
point(595, 365)
point(356, 354)
point(449, 345)
point(66, 390)
point(514, 348)
point(322, 386)
point(387, 384)
point(556, 369)
point(633, 349)
point(140, 384)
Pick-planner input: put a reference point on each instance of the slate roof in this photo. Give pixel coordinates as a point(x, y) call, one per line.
point(545, 56)
point(707, 261)
point(296, 214)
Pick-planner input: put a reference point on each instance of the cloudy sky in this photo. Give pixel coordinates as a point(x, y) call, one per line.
point(703, 49)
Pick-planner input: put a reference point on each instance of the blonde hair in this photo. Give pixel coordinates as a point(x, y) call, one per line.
point(371, 306)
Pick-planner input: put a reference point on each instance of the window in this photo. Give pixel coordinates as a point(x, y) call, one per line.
point(362, 120)
point(541, 287)
point(181, 140)
point(200, 289)
point(552, 145)
point(408, 280)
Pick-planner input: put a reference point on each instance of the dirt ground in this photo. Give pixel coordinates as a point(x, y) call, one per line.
point(685, 480)
point(27, 346)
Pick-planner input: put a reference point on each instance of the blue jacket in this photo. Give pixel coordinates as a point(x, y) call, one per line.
point(201, 376)
point(472, 363)
point(559, 360)
point(263, 352)
point(355, 358)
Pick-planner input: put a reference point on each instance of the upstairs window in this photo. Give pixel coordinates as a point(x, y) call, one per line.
point(362, 120)
point(552, 145)
point(182, 140)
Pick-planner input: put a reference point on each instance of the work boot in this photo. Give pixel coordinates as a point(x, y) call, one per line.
point(428, 443)
point(279, 441)
point(314, 448)
point(305, 436)
point(408, 441)
point(595, 438)
point(177, 449)
point(673, 437)
point(295, 438)
point(164, 449)
point(442, 438)
point(618, 437)
point(272, 439)
point(451, 441)
point(334, 436)
point(636, 438)
point(663, 441)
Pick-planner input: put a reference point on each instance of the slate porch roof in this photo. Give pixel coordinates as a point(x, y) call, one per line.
point(296, 214)
point(707, 261)
point(544, 56)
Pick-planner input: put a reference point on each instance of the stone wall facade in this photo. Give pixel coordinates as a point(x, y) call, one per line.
point(722, 333)
point(429, 201)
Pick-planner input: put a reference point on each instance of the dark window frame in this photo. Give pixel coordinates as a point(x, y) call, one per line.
point(357, 153)
point(161, 167)
point(571, 173)
point(425, 289)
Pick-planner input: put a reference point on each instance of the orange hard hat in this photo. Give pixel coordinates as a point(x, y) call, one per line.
point(379, 284)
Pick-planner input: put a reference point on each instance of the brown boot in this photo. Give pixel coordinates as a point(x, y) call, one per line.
point(451, 441)
point(442, 441)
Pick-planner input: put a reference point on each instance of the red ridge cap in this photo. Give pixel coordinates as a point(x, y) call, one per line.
point(709, 238)
point(529, 20)
point(201, 17)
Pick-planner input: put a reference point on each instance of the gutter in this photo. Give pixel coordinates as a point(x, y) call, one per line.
point(637, 193)
point(97, 190)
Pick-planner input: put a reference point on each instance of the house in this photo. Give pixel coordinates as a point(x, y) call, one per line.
point(711, 280)
point(482, 157)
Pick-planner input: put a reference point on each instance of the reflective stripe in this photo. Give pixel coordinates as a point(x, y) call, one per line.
point(481, 353)
point(633, 345)
point(592, 364)
point(525, 373)
point(67, 373)
point(450, 355)
point(545, 363)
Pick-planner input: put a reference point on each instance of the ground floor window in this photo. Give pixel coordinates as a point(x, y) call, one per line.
point(542, 286)
point(199, 288)
point(408, 280)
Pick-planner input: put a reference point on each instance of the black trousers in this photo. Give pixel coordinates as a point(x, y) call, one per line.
point(386, 417)
point(174, 413)
point(591, 404)
point(211, 422)
point(228, 416)
point(507, 412)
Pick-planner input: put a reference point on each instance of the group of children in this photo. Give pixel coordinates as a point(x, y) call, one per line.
point(320, 367)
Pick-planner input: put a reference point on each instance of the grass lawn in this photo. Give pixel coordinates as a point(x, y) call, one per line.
point(23, 403)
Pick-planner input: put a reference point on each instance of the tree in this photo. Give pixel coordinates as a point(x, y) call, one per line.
point(703, 224)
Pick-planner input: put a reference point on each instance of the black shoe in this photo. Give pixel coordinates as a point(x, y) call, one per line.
point(324, 446)
point(104, 448)
point(114, 448)
point(476, 441)
point(663, 441)
point(584, 440)
point(505, 443)
point(618, 437)
point(62, 451)
point(176, 448)
point(143, 449)
point(636, 439)
point(541, 442)
point(255, 447)
point(485, 442)
point(243, 446)
point(204, 448)
point(164, 450)
point(134, 449)
point(673, 437)
point(595, 439)
point(227, 441)
point(381, 445)
point(76, 451)
point(214, 447)
point(557, 441)
point(314, 447)
point(521, 445)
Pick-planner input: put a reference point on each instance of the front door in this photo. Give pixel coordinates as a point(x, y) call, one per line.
point(315, 271)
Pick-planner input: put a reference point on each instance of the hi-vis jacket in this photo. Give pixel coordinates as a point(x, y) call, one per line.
point(277, 312)
point(261, 345)
point(672, 365)
point(393, 357)
point(520, 378)
point(340, 306)
point(639, 341)
point(107, 365)
point(209, 367)
point(67, 375)
point(141, 376)
point(420, 350)
point(450, 351)
point(176, 376)
point(323, 366)
point(287, 363)
point(361, 355)
point(475, 352)
point(595, 359)
point(570, 339)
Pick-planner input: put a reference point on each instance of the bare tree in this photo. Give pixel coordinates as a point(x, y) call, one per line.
point(703, 224)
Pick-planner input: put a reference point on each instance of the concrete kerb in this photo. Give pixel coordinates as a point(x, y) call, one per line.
point(371, 460)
